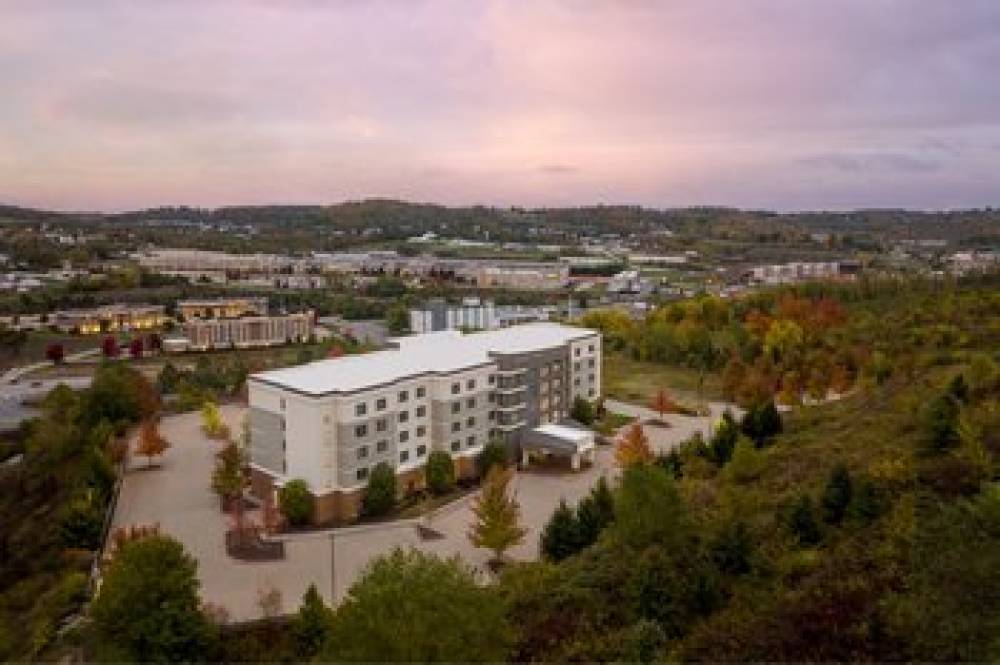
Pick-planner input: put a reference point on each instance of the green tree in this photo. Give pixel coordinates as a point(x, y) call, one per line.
point(802, 522)
point(561, 535)
point(836, 495)
point(380, 495)
point(732, 548)
point(410, 606)
point(940, 424)
point(397, 319)
point(439, 472)
point(229, 476)
point(494, 453)
point(582, 411)
point(648, 509)
point(296, 502)
point(723, 441)
point(595, 512)
point(148, 605)
point(311, 624)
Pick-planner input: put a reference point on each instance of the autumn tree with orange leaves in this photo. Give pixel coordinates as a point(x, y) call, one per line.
point(151, 443)
point(662, 403)
point(633, 448)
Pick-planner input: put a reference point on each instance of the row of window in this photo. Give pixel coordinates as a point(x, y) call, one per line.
point(361, 473)
point(382, 403)
point(361, 431)
point(590, 349)
point(383, 445)
point(577, 366)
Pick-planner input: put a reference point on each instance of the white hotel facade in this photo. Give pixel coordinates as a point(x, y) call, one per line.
point(330, 422)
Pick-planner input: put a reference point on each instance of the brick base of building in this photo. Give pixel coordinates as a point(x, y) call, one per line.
point(465, 468)
point(333, 508)
point(411, 482)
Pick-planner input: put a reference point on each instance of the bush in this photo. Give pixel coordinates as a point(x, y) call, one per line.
point(493, 454)
point(561, 536)
point(296, 502)
point(380, 495)
point(582, 411)
point(802, 522)
point(837, 495)
point(81, 524)
point(440, 472)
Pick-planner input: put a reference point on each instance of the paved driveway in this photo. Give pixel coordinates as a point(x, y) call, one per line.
point(177, 496)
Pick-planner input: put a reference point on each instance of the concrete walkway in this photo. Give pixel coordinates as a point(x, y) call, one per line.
point(15, 374)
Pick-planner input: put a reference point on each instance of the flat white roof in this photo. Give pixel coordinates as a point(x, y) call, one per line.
point(574, 434)
point(442, 352)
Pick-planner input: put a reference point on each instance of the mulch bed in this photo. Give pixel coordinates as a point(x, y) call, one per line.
point(250, 547)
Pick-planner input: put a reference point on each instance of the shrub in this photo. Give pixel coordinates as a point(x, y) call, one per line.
point(380, 495)
point(296, 502)
point(81, 523)
point(561, 536)
point(494, 453)
point(582, 411)
point(802, 522)
point(837, 495)
point(440, 472)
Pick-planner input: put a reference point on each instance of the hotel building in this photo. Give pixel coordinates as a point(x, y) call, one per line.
point(248, 331)
point(330, 422)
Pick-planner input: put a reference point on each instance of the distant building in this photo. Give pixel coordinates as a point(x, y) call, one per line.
point(628, 282)
point(109, 318)
point(471, 314)
point(222, 308)
point(249, 331)
point(787, 273)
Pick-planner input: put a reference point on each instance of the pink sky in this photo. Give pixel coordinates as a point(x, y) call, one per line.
point(785, 104)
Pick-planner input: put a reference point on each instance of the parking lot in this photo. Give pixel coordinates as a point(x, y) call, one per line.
point(177, 495)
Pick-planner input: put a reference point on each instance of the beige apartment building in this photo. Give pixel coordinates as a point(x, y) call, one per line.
point(248, 331)
point(222, 308)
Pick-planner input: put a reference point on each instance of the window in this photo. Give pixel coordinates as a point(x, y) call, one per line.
point(493, 379)
point(455, 388)
point(456, 426)
point(282, 403)
point(590, 377)
point(361, 473)
point(471, 402)
point(493, 397)
point(455, 446)
point(456, 407)
point(404, 416)
point(591, 348)
point(404, 436)
point(590, 392)
point(362, 452)
point(360, 409)
point(404, 455)
point(471, 422)
point(381, 403)
point(576, 381)
point(380, 425)
point(421, 411)
point(421, 392)
point(471, 441)
point(590, 363)
point(421, 451)
point(576, 351)
point(326, 419)
point(382, 446)
point(360, 431)
point(421, 431)
point(493, 415)
point(403, 395)
point(471, 384)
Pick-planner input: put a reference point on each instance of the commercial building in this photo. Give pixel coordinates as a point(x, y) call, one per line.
point(330, 422)
point(247, 331)
point(471, 314)
point(222, 308)
point(799, 271)
point(109, 318)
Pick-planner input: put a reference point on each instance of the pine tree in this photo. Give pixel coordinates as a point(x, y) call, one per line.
point(311, 624)
point(837, 495)
point(497, 526)
point(561, 536)
point(595, 512)
point(803, 522)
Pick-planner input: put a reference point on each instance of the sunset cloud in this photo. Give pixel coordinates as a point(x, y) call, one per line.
point(759, 103)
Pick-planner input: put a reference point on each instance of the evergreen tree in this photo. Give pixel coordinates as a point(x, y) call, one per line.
point(732, 548)
point(561, 536)
point(439, 472)
point(595, 512)
point(380, 495)
point(311, 624)
point(836, 495)
point(803, 523)
point(720, 447)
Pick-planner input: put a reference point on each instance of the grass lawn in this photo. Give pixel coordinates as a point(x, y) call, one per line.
point(637, 381)
point(33, 350)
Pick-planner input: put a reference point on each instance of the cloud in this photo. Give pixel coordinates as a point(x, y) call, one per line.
point(558, 169)
point(872, 162)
